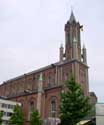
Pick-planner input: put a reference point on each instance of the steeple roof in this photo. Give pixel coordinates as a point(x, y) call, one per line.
point(72, 17)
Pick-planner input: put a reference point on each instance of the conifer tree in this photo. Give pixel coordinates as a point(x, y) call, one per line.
point(35, 118)
point(1, 115)
point(17, 116)
point(74, 104)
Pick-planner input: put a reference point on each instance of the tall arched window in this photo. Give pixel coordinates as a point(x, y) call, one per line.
point(31, 108)
point(53, 107)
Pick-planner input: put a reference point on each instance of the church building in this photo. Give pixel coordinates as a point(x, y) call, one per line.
point(40, 89)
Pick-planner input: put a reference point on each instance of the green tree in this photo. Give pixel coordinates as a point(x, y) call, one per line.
point(1, 115)
point(35, 118)
point(17, 116)
point(74, 105)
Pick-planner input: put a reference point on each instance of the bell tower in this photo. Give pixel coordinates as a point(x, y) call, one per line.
point(72, 39)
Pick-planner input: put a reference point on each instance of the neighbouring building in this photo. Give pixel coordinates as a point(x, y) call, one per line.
point(93, 98)
point(40, 89)
point(100, 114)
point(7, 107)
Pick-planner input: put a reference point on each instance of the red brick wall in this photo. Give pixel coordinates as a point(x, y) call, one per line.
point(15, 87)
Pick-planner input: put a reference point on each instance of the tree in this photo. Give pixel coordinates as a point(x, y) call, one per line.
point(1, 115)
point(35, 118)
point(74, 105)
point(17, 116)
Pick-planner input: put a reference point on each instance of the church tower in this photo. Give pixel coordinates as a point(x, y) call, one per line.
point(74, 54)
point(72, 39)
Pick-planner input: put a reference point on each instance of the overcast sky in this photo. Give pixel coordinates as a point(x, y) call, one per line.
point(31, 32)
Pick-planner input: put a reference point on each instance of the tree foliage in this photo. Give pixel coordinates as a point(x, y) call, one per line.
point(1, 115)
point(35, 118)
point(74, 105)
point(17, 116)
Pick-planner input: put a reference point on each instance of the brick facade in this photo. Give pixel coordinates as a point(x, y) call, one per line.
point(25, 88)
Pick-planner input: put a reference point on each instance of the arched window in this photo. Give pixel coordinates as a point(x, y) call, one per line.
point(53, 107)
point(31, 108)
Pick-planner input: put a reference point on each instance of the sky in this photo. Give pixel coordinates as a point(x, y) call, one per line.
point(31, 32)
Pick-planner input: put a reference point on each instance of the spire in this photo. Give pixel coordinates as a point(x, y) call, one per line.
point(61, 52)
point(84, 46)
point(72, 17)
point(72, 38)
point(40, 90)
point(61, 46)
point(84, 54)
